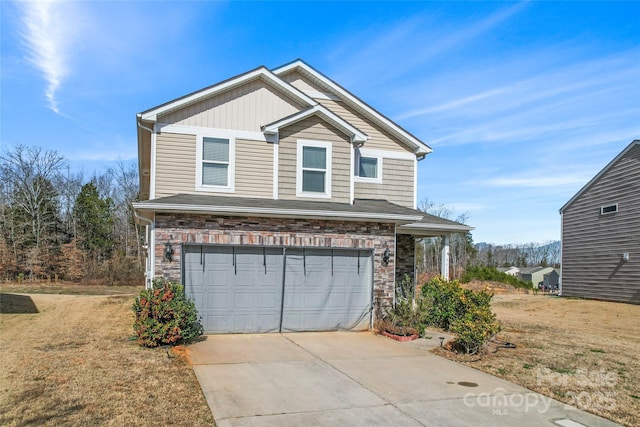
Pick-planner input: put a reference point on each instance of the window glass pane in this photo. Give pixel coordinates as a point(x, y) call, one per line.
point(313, 181)
point(368, 167)
point(314, 157)
point(214, 174)
point(215, 149)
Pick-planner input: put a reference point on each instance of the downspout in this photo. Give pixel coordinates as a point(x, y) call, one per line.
point(148, 274)
point(144, 127)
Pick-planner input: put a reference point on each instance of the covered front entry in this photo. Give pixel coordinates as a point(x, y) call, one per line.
point(249, 289)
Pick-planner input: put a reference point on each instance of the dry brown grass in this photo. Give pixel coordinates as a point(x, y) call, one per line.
point(580, 352)
point(73, 363)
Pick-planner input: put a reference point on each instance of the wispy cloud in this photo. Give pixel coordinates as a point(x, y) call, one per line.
point(47, 33)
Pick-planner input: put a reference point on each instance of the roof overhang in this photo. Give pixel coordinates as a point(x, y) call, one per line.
point(420, 148)
point(426, 229)
point(274, 212)
point(356, 135)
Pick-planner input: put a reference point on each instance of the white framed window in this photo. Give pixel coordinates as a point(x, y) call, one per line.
point(609, 209)
point(313, 172)
point(215, 168)
point(368, 166)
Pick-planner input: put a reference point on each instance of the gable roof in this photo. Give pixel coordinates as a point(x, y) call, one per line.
point(612, 163)
point(356, 135)
point(260, 72)
point(419, 147)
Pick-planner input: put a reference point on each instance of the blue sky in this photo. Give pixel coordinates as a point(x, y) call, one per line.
point(522, 102)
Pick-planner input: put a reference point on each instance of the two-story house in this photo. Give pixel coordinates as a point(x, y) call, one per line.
point(281, 201)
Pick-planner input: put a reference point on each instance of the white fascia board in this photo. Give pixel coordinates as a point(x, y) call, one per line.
point(419, 146)
point(429, 229)
point(228, 84)
point(214, 132)
point(272, 212)
point(354, 133)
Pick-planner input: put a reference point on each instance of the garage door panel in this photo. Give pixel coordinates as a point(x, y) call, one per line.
point(327, 290)
point(235, 294)
point(240, 289)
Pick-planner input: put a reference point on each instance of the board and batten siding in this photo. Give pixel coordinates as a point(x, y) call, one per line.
point(246, 107)
point(378, 138)
point(397, 183)
point(593, 244)
point(176, 167)
point(296, 80)
point(314, 129)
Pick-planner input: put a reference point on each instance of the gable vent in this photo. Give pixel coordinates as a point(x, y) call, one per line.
point(609, 209)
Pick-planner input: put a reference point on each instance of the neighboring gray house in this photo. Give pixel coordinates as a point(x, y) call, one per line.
point(534, 275)
point(281, 201)
point(601, 233)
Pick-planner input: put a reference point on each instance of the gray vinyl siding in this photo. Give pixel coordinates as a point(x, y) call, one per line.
point(176, 167)
point(397, 183)
point(593, 244)
point(245, 107)
point(314, 129)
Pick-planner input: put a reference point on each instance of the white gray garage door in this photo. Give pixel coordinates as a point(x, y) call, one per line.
point(241, 289)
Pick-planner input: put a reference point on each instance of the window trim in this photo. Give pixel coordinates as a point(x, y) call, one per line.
point(328, 169)
point(231, 171)
point(363, 152)
point(614, 205)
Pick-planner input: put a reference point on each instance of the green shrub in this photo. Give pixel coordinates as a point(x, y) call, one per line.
point(475, 328)
point(164, 315)
point(465, 312)
point(480, 272)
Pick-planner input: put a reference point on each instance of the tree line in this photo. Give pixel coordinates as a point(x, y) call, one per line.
point(464, 252)
point(64, 225)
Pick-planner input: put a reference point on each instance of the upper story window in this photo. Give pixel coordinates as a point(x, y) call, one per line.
point(368, 167)
point(215, 168)
point(313, 175)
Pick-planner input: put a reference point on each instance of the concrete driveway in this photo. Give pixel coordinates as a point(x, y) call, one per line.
point(360, 379)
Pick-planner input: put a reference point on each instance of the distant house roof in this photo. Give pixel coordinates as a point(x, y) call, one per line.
point(602, 172)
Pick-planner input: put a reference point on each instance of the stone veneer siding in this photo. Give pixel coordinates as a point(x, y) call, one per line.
point(279, 232)
point(405, 261)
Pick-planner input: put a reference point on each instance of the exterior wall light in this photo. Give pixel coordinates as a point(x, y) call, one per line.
point(385, 256)
point(167, 255)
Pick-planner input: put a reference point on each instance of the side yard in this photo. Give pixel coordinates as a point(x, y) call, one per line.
point(72, 363)
point(580, 352)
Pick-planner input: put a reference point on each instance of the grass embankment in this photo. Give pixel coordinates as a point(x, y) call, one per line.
point(69, 360)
